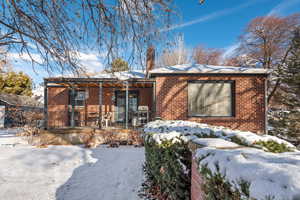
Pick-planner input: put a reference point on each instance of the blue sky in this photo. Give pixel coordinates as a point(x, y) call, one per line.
point(222, 22)
point(216, 24)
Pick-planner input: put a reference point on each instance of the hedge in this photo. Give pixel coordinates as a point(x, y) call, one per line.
point(168, 159)
point(168, 167)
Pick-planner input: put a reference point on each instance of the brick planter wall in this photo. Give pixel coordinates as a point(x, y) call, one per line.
point(196, 182)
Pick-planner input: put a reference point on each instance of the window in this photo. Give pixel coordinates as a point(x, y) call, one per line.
point(211, 98)
point(79, 97)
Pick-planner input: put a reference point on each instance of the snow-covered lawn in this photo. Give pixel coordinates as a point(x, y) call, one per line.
point(68, 172)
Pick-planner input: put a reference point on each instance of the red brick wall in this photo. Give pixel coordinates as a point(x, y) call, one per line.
point(196, 182)
point(58, 99)
point(172, 101)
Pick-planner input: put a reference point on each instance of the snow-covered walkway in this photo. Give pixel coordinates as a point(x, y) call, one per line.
point(68, 172)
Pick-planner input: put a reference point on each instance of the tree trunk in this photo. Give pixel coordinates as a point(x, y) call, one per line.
point(273, 91)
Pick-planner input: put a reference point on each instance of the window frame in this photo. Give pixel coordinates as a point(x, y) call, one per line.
point(233, 101)
point(73, 100)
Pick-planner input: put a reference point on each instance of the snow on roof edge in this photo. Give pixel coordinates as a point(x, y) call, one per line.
point(207, 69)
point(122, 75)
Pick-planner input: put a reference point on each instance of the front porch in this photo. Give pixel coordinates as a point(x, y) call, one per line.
point(98, 103)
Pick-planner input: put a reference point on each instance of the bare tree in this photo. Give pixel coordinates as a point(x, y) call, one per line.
point(239, 61)
point(267, 40)
point(173, 57)
point(233, 61)
point(58, 30)
point(177, 54)
point(207, 56)
point(5, 64)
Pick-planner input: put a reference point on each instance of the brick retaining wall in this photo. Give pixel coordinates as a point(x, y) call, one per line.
point(196, 181)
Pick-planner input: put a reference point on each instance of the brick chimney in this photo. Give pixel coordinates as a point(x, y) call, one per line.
point(150, 60)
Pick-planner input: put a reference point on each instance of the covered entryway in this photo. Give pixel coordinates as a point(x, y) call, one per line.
point(98, 102)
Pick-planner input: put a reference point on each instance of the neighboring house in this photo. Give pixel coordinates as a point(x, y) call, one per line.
point(234, 97)
point(16, 109)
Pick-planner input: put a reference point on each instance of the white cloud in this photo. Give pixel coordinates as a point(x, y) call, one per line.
point(25, 57)
point(31, 45)
point(283, 6)
point(91, 61)
point(211, 16)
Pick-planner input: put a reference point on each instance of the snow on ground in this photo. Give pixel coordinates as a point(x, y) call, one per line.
point(68, 172)
point(215, 142)
point(8, 137)
point(168, 129)
point(269, 174)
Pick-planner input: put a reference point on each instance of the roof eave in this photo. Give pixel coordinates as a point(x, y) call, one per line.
point(63, 79)
point(153, 74)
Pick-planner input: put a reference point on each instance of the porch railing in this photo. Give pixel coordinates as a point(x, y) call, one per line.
point(109, 119)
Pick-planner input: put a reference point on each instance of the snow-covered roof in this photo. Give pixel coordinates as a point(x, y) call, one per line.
point(176, 69)
point(124, 75)
point(207, 69)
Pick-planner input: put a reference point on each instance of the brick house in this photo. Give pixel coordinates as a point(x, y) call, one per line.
point(233, 97)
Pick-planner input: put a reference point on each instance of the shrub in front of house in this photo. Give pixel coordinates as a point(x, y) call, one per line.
point(274, 147)
point(247, 174)
point(168, 159)
point(167, 168)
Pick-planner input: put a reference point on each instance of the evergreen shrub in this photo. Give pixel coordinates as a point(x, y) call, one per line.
point(168, 167)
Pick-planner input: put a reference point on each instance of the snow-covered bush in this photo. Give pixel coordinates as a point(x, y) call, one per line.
point(274, 147)
point(189, 131)
point(216, 186)
point(238, 173)
point(167, 168)
point(265, 175)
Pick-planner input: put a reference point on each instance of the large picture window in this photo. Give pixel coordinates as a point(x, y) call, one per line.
point(211, 98)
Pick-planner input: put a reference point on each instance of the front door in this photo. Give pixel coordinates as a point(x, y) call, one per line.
point(120, 114)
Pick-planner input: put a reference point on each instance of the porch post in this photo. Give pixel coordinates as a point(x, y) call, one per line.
point(100, 104)
point(73, 106)
point(45, 105)
point(154, 100)
point(126, 110)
